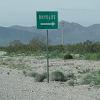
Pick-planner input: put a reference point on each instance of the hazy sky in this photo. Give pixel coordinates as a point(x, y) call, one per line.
point(23, 12)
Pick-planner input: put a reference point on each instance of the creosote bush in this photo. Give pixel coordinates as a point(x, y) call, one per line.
point(87, 70)
point(92, 78)
point(68, 56)
point(71, 82)
point(54, 76)
point(70, 76)
point(57, 76)
point(37, 77)
point(24, 72)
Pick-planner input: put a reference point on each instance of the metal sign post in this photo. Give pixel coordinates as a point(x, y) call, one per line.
point(47, 20)
point(47, 59)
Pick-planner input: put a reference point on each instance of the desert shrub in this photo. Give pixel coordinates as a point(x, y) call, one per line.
point(70, 76)
point(93, 77)
point(55, 54)
point(71, 82)
point(30, 73)
point(87, 70)
point(8, 73)
point(57, 76)
point(58, 48)
point(68, 56)
point(92, 56)
point(25, 72)
point(40, 77)
point(87, 79)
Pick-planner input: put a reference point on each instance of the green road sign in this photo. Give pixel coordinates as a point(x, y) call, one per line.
point(47, 19)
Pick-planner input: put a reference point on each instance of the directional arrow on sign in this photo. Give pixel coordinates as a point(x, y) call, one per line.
point(52, 24)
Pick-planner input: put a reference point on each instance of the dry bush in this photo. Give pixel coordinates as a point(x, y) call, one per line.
point(57, 76)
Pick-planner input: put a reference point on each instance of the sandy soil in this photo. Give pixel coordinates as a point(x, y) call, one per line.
point(15, 86)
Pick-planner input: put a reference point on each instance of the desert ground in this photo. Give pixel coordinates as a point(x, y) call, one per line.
point(14, 85)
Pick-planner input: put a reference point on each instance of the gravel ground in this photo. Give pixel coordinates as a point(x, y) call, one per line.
point(15, 86)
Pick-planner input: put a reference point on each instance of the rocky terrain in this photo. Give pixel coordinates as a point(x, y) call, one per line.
point(14, 85)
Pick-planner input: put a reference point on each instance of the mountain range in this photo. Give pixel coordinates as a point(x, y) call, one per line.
point(73, 33)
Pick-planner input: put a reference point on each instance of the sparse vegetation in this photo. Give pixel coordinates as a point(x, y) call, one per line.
point(8, 73)
point(57, 76)
point(85, 50)
point(40, 77)
point(37, 77)
point(70, 76)
point(92, 78)
point(71, 82)
point(68, 56)
point(29, 73)
point(87, 70)
point(24, 72)
point(92, 56)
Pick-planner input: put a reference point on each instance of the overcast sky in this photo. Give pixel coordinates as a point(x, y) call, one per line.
point(23, 12)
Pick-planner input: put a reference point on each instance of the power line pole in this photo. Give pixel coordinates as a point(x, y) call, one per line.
point(62, 37)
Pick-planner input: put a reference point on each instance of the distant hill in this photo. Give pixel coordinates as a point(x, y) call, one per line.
point(73, 33)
